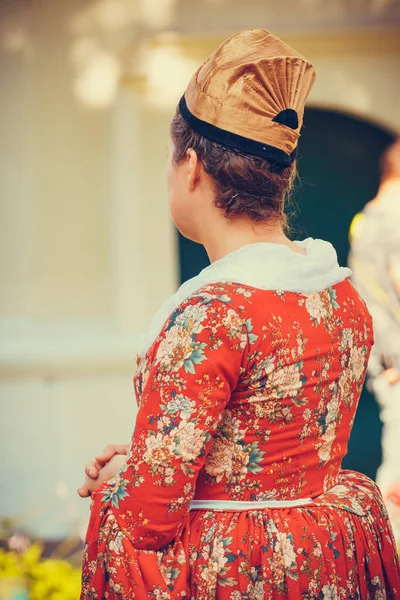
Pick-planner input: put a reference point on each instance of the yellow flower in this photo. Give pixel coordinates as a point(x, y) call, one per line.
point(44, 579)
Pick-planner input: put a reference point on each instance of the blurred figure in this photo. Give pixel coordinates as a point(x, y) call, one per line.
point(375, 260)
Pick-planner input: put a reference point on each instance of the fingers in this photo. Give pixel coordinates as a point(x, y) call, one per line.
point(88, 487)
point(110, 451)
point(83, 492)
point(92, 469)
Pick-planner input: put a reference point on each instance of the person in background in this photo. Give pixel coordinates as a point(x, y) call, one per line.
point(375, 261)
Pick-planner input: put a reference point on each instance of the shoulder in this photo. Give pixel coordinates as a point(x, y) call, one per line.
point(236, 295)
point(203, 323)
point(211, 303)
point(352, 301)
point(218, 310)
point(229, 297)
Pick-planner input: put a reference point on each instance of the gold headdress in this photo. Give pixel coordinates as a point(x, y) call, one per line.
point(249, 95)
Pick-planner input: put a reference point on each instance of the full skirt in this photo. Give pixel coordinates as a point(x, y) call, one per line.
point(341, 547)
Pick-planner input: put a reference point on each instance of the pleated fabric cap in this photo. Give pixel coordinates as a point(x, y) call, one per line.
point(249, 96)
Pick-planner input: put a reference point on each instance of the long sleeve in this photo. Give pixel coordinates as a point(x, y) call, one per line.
point(193, 368)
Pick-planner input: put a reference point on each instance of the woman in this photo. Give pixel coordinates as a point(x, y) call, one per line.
point(249, 377)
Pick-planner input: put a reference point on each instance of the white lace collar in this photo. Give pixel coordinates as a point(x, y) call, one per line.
point(264, 265)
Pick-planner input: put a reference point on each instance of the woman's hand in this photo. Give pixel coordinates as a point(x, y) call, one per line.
point(103, 468)
point(109, 471)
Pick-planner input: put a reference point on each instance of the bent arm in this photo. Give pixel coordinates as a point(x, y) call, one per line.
point(195, 366)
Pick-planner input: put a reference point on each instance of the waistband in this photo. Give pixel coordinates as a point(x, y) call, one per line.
point(250, 505)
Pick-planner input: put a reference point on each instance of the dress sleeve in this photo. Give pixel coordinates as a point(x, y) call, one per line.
point(195, 365)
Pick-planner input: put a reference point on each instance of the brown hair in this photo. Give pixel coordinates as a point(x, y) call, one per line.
point(246, 186)
point(390, 161)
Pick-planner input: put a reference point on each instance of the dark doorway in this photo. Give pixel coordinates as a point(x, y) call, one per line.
point(338, 167)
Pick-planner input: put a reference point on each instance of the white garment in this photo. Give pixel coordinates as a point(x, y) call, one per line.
point(263, 265)
point(388, 475)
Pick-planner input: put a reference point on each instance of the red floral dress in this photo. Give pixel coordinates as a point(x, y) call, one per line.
point(246, 395)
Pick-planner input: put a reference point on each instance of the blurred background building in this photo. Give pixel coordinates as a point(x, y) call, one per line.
point(87, 249)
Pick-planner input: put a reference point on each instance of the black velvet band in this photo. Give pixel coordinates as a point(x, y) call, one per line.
point(235, 141)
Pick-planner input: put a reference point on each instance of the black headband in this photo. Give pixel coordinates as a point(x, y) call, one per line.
point(235, 141)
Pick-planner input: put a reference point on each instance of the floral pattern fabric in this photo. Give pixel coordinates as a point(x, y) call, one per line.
point(246, 394)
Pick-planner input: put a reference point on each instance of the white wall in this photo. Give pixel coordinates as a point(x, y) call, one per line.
point(366, 84)
point(48, 429)
point(87, 254)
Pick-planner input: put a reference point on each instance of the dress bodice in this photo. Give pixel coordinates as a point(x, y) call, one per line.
point(284, 431)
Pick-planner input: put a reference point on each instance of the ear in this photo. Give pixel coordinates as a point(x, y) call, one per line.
point(194, 168)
